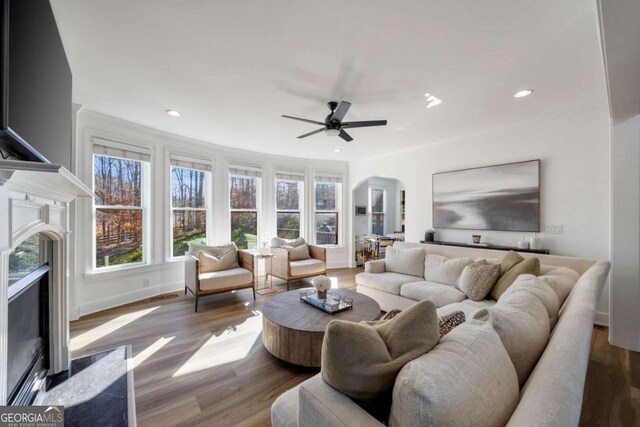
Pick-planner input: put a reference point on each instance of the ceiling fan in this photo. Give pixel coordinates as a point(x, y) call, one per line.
point(333, 125)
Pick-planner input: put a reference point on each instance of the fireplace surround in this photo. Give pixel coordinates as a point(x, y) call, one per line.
point(37, 198)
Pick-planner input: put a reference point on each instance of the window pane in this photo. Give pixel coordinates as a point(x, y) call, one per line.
point(327, 228)
point(188, 227)
point(325, 196)
point(117, 181)
point(377, 224)
point(287, 195)
point(288, 225)
point(187, 188)
point(377, 200)
point(244, 229)
point(24, 259)
point(118, 236)
point(243, 191)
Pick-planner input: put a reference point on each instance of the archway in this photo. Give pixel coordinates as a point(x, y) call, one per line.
point(378, 217)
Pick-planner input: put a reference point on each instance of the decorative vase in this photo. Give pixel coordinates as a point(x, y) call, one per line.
point(476, 238)
point(322, 284)
point(535, 242)
point(429, 237)
point(264, 250)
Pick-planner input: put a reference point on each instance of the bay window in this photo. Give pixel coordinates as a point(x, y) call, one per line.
point(377, 208)
point(119, 206)
point(189, 203)
point(244, 199)
point(328, 196)
point(289, 203)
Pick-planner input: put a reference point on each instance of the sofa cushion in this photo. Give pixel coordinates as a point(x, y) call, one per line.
point(540, 288)
point(528, 266)
point(468, 307)
point(438, 293)
point(216, 258)
point(522, 323)
point(387, 282)
point(510, 260)
point(478, 279)
point(226, 279)
point(404, 261)
point(284, 411)
point(297, 253)
point(438, 268)
point(307, 267)
point(466, 380)
point(362, 360)
point(561, 280)
point(277, 242)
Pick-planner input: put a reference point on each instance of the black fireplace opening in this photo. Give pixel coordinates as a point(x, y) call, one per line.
point(28, 326)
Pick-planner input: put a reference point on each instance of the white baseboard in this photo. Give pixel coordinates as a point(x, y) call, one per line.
point(137, 295)
point(602, 318)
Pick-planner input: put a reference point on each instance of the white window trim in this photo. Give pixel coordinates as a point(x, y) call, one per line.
point(146, 217)
point(384, 209)
point(257, 174)
point(338, 210)
point(208, 180)
point(301, 203)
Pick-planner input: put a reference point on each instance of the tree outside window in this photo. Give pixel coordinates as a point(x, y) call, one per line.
point(118, 211)
point(243, 192)
point(326, 212)
point(188, 208)
point(288, 208)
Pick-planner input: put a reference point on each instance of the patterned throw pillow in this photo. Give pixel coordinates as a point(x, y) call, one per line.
point(478, 279)
point(450, 321)
point(391, 314)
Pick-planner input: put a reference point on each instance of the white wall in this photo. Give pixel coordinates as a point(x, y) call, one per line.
point(96, 291)
point(625, 234)
point(575, 173)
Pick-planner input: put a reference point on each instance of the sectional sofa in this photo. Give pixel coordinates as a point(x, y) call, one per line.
point(462, 380)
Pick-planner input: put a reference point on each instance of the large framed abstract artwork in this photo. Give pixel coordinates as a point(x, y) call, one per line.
point(502, 197)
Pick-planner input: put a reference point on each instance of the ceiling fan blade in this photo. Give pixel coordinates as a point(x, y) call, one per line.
point(345, 136)
point(304, 120)
point(311, 133)
point(364, 124)
point(341, 111)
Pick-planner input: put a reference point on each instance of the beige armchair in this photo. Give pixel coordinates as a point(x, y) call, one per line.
point(209, 279)
point(284, 268)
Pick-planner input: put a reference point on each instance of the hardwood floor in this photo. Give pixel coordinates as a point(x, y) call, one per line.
point(210, 368)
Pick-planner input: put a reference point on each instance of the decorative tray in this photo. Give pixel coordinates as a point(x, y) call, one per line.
point(334, 303)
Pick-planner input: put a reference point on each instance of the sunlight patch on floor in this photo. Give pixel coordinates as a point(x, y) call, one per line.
point(105, 329)
point(233, 344)
point(150, 351)
point(334, 283)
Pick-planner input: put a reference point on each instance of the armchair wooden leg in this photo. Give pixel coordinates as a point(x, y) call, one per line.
point(185, 290)
point(287, 285)
point(196, 310)
point(254, 292)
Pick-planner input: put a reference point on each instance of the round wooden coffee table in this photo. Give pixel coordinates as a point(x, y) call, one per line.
point(293, 330)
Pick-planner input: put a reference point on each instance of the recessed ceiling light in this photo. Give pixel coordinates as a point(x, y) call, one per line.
point(337, 150)
point(523, 93)
point(400, 128)
point(432, 100)
point(173, 113)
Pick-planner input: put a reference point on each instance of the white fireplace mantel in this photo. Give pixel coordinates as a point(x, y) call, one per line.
point(35, 198)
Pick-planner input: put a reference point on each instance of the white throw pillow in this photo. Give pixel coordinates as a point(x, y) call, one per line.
point(218, 258)
point(297, 253)
point(404, 261)
point(540, 288)
point(466, 380)
point(561, 280)
point(277, 242)
point(523, 325)
point(438, 268)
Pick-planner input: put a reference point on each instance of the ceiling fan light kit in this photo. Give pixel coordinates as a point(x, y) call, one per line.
point(333, 125)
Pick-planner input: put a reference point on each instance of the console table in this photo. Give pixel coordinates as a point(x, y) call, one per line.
point(488, 246)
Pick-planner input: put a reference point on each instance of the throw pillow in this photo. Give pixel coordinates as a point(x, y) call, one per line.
point(362, 360)
point(561, 280)
point(450, 321)
point(404, 261)
point(539, 288)
point(218, 258)
point(510, 260)
point(440, 269)
point(297, 253)
point(391, 314)
point(277, 242)
point(522, 323)
point(528, 266)
point(478, 279)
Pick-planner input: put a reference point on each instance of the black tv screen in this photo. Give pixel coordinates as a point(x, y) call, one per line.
point(37, 107)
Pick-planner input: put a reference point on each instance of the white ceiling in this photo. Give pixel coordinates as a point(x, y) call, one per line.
point(233, 67)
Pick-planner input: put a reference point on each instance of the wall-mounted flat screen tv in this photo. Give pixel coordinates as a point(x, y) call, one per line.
point(502, 197)
point(35, 112)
